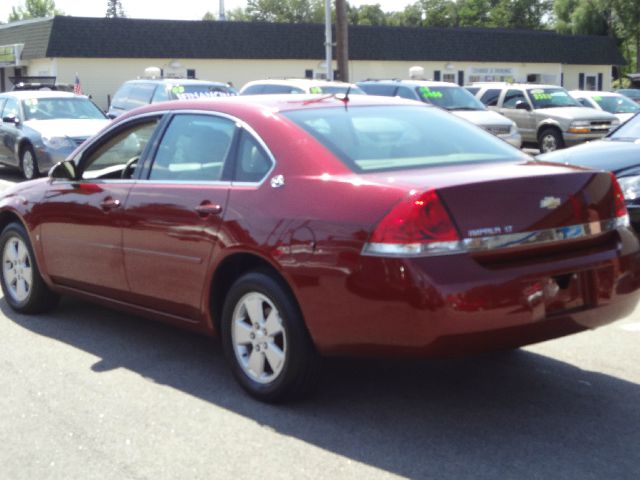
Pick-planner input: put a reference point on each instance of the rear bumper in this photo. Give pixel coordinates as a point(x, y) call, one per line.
point(457, 304)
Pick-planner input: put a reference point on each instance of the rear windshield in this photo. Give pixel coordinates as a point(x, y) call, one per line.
point(192, 92)
point(380, 138)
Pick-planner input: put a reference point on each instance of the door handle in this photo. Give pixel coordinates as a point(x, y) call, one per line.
point(205, 209)
point(109, 204)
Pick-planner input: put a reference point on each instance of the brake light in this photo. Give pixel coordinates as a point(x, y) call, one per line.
point(618, 197)
point(420, 220)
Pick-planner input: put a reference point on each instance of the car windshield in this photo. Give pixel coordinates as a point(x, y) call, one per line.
point(629, 130)
point(192, 92)
point(57, 108)
point(450, 97)
point(381, 138)
point(616, 104)
point(551, 98)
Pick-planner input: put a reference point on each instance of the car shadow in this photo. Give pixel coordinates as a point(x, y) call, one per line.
point(508, 415)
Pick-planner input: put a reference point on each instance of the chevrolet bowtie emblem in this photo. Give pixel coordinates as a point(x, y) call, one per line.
point(550, 203)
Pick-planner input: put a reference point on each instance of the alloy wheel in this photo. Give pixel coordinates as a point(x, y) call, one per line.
point(258, 337)
point(17, 269)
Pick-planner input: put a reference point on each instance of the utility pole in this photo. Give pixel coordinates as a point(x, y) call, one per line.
point(221, 14)
point(342, 40)
point(328, 41)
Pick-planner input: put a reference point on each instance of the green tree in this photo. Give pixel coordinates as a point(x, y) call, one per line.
point(411, 16)
point(526, 14)
point(368, 15)
point(439, 13)
point(34, 9)
point(286, 11)
point(208, 17)
point(114, 9)
point(585, 17)
point(628, 15)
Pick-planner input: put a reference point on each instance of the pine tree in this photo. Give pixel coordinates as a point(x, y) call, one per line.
point(114, 9)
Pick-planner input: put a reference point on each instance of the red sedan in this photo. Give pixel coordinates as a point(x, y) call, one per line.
point(296, 227)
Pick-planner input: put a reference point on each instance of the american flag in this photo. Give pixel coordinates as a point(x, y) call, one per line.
point(77, 88)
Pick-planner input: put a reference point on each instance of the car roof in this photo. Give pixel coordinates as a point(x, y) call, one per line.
point(273, 103)
point(594, 93)
point(23, 94)
point(417, 83)
point(175, 81)
point(516, 85)
point(297, 82)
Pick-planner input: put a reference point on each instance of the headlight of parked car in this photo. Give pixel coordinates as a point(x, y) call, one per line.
point(580, 126)
point(56, 143)
point(630, 187)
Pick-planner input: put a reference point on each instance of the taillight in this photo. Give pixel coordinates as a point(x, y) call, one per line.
point(618, 196)
point(413, 224)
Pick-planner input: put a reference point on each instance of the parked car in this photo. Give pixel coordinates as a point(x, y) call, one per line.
point(65, 87)
point(40, 128)
point(451, 97)
point(618, 152)
point(621, 106)
point(136, 93)
point(548, 118)
point(632, 93)
point(298, 85)
point(307, 226)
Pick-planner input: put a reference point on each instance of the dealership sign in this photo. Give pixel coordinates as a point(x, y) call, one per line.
point(492, 71)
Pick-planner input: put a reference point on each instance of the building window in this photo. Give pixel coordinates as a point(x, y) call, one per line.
point(590, 82)
point(308, 73)
point(191, 73)
point(449, 77)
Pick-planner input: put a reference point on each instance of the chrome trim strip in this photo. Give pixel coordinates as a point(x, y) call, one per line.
point(496, 242)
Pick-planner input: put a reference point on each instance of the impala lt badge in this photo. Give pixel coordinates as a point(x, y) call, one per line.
point(550, 203)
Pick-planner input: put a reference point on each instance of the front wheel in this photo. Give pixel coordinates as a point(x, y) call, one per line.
point(549, 140)
point(265, 340)
point(28, 163)
point(23, 287)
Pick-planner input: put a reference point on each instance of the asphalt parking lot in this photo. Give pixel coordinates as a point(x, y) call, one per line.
point(90, 393)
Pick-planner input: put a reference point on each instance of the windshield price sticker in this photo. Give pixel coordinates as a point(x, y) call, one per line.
point(542, 96)
point(315, 90)
point(427, 93)
point(196, 95)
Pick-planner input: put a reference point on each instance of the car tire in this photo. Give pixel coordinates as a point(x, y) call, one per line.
point(265, 340)
point(550, 139)
point(22, 285)
point(28, 163)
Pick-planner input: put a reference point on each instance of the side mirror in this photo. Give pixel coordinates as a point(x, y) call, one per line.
point(65, 170)
point(11, 119)
point(522, 105)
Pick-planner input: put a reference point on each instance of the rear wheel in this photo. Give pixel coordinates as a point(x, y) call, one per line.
point(23, 287)
point(550, 139)
point(265, 340)
point(28, 163)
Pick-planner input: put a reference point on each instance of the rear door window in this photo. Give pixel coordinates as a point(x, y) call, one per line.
point(490, 97)
point(193, 148)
